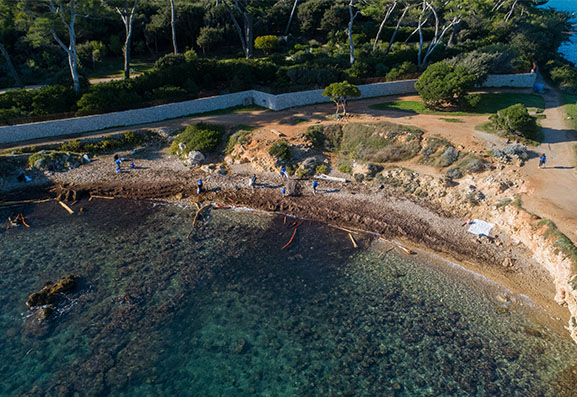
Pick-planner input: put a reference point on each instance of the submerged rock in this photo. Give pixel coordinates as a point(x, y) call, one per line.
point(49, 294)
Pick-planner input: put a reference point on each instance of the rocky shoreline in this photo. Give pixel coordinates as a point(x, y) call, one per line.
point(393, 207)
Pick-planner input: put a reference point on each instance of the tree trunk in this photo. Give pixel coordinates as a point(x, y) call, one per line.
point(173, 26)
point(390, 9)
point(420, 29)
point(288, 25)
point(127, 19)
point(248, 31)
point(239, 31)
point(73, 61)
point(397, 29)
point(350, 32)
point(11, 68)
point(127, 53)
point(70, 49)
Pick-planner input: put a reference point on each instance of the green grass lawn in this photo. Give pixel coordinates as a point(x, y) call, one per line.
point(490, 103)
point(452, 120)
point(570, 105)
point(114, 67)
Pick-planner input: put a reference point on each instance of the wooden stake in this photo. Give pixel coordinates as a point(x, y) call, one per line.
point(101, 197)
point(291, 240)
point(67, 208)
point(16, 203)
point(346, 230)
point(353, 240)
point(406, 250)
point(23, 221)
point(195, 218)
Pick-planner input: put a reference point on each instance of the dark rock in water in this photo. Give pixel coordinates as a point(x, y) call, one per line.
point(46, 311)
point(49, 294)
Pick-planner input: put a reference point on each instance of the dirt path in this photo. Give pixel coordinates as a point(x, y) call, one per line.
point(552, 190)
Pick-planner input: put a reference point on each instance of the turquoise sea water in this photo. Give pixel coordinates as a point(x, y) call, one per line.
point(569, 49)
point(228, 313)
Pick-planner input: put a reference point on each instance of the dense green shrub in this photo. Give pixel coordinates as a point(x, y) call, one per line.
point(316, 136)
point(42, 101)
point(281, 151)
point(115, 95)
point(7, 115)
point(174, 93)
point(515, 119)
point(477, 62)
point(201, 137)
point(406, 70)
point(268, 43)
point(169, 61)
point(562, 73)
point(442, 85)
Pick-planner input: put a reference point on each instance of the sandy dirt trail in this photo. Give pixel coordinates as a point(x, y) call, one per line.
point(552, 190)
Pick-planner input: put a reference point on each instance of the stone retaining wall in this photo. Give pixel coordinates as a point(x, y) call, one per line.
point(25, 132)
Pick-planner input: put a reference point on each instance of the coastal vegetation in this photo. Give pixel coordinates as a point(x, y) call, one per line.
point(515, 120)
point(199, 48)
point(201, 137)
point(281, 151)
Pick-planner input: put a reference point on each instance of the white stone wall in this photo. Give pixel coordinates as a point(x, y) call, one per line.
point(24, 132)
point(511, 80)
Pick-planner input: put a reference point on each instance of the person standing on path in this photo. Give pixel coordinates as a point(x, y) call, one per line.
point(315, 185)
point(199, 186)
point(283, 191)
point(542, 160)
point(252, 181)
point(284, 173)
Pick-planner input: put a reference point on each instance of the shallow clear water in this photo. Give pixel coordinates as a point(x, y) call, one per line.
point(228, 313)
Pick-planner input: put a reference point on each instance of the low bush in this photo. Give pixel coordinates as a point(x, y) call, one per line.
point(316, 136)
point(438, 152)
point(268, 43)
point(128, 139)
point(238, 138)
point(345, 168)
point(116, 95)
point(516, 120)
point(322, 169)
point(201, 137)
point(52, 99)
point(280, 151)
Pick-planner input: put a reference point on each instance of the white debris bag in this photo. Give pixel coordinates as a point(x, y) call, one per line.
point(480, 228)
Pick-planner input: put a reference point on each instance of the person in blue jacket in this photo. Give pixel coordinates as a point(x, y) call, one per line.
point(199, 186)
point(315, 185)
point(542, 160)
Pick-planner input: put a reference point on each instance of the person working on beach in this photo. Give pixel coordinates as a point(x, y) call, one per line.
point(284, 173)
point(542, 160)
point(252, 181)
point(315, 185)
point(199, 186)
point(283, 191)
point(117, 161)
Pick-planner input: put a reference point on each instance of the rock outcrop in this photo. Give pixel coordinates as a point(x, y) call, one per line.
point(50, 294)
